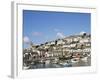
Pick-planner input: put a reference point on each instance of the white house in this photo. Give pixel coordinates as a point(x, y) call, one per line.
point(52, 42)
point(46, 46)
point(60, 42)
point(76, 39)
point(87, 44)
point(69, 40)
point(73, 45)
point(87, 50)
point(85, 40)
point(66, 46)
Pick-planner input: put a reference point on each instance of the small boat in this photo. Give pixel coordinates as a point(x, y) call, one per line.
point(26, 67)
point(75, 60)
point(64, 63)
point(84, 59)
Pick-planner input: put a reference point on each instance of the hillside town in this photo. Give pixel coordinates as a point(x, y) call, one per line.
point(70, 51)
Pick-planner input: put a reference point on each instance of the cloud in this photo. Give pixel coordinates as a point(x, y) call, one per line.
point(26, 39)
point(60, 35)
point(36, 34)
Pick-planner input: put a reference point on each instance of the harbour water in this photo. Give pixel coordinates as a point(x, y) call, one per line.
point(49, 64)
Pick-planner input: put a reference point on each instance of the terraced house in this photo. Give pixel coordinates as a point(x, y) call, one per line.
point(73, 50)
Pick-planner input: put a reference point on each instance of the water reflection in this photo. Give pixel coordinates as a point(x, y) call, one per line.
point(62, 64)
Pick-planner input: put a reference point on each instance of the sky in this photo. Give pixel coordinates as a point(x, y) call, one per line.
point(42, 26)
